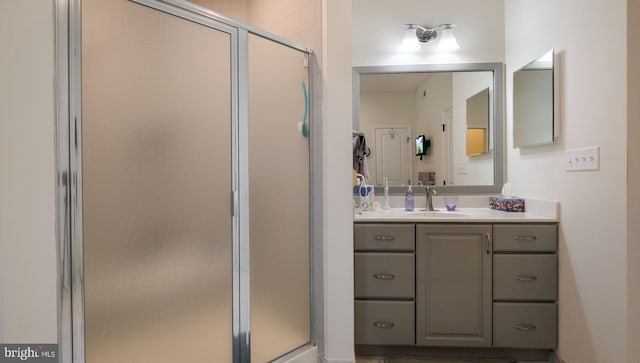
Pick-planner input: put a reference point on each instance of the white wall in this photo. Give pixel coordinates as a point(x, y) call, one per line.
point(429, 120)
point(27, 178)
point(593, 230)
point(336, 178)
point(478, 169)
point(378, 30)
point(633, 180)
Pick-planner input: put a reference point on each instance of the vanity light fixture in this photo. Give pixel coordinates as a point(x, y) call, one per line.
point(415, 34)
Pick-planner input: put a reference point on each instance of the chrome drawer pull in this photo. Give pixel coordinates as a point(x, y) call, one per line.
point(525, 278)
point(524, 327)
point(489, 243)
point(384, 276)
point(386, 237)
point(384, 324)
point(525, 237)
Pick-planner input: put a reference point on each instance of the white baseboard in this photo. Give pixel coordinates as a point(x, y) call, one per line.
point(308, 355)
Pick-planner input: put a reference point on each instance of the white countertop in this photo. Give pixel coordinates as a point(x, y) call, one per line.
point(460, 215)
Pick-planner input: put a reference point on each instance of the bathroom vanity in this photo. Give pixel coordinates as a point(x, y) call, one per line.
point(475, 278)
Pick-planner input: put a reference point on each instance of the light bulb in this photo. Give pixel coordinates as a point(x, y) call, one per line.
point(410, 41)
point(448, 41)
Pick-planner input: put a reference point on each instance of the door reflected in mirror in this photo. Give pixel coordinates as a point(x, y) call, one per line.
point(534, 102)
point(454, 112)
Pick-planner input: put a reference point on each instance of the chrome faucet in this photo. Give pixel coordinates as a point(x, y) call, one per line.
point(429, 192)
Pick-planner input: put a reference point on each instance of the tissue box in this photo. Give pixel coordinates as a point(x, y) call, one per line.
point(507, 204)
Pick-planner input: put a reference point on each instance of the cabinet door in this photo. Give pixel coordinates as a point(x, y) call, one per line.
point(453, 285)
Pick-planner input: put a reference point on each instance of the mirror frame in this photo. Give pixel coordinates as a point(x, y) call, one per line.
point(498, 119)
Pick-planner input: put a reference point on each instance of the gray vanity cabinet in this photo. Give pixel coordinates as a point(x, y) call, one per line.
point(525, 294)
point(384, 285)
point(456, 285)
point(453, 285)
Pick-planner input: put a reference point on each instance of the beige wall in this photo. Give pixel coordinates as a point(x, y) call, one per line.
point(234, 9)
point(27, 210)
point(296, 20)
point(633, 180)
point(27, 177)
point(593, 228)
point(385, 109)
point(299, 21)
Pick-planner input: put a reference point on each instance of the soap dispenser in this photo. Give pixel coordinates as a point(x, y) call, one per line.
point(408, 200)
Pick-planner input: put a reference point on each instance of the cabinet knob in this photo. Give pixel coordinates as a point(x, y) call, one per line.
point(384, 324)
point(384, 276)
point(385, 237)
point(525, 278)
point(524, 327)
point(525, 237)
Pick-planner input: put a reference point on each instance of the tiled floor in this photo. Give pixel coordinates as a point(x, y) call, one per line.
point(431, 360)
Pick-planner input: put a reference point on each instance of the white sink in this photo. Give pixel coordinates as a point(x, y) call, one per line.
point(437, 213)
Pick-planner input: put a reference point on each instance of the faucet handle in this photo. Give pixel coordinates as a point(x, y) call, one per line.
point(429, 192)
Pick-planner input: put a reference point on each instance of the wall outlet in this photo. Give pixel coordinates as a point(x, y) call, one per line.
point(584, 159)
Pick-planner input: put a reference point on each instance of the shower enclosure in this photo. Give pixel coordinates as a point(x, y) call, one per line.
point(188, 205)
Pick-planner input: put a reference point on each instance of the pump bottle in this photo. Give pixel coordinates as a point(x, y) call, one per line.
point(408, 200)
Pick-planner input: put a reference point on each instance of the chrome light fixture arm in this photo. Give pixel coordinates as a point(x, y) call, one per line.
point(426, 34)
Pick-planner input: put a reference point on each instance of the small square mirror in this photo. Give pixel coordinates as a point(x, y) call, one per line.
point(534, 102)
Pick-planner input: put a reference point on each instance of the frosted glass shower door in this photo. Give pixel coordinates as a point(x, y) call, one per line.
point(279, 201)
point(157, 181)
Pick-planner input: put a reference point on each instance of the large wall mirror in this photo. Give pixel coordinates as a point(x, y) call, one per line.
point(535, 102)
point(457, 107)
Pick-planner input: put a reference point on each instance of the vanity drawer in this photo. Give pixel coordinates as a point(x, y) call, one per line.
point(525, 325)
point(384, 275)
point(525, 237)
point(385, 322)
point(384, 237)
point(525, 277)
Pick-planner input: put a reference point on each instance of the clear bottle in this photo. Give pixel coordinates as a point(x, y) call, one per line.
point(408, 200)
point(385, 204)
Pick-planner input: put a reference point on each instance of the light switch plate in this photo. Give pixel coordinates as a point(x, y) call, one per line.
point(583, 159)
point(462, 168)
